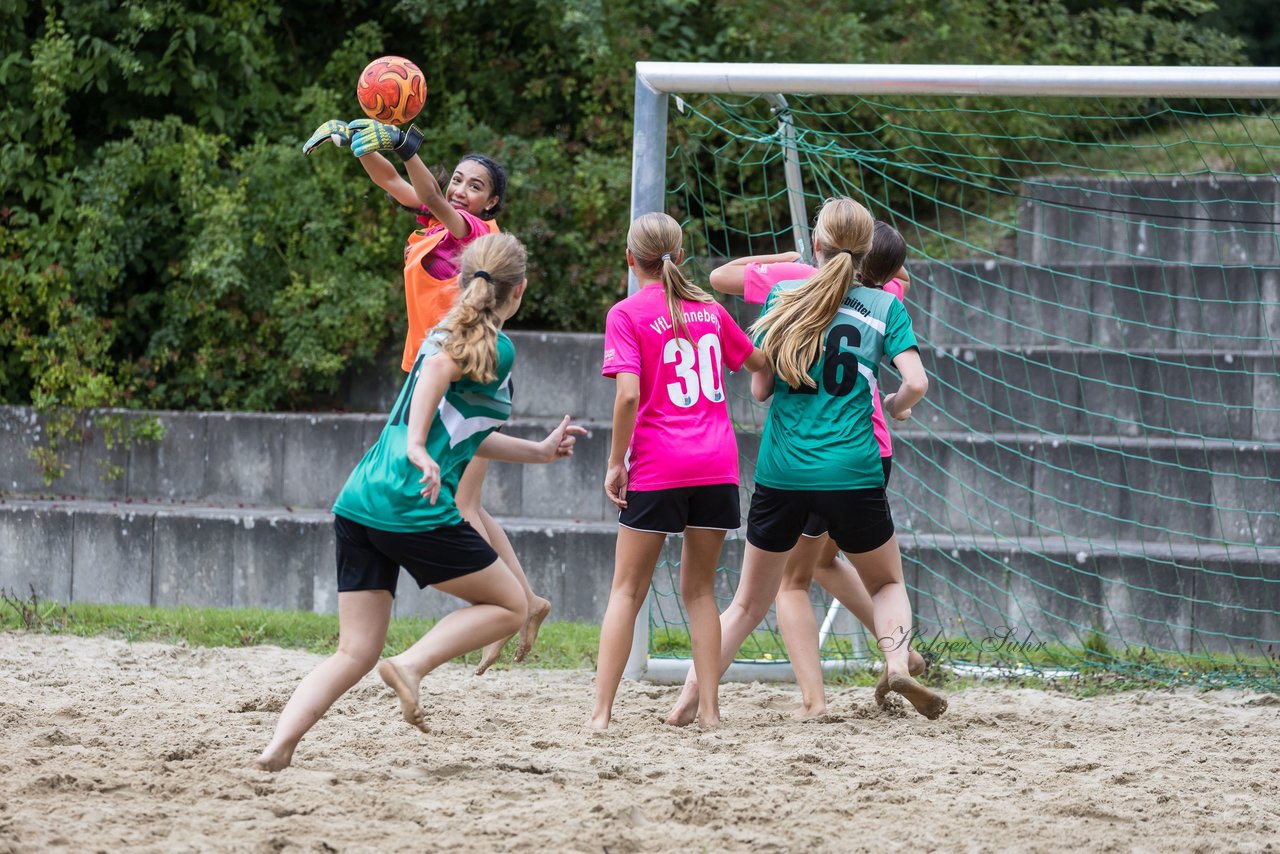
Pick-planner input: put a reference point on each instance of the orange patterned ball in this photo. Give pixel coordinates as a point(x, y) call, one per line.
point(391, 90)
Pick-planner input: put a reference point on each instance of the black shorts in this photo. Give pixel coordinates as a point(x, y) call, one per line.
point(816, 526)
point(370, 559)
point(670, 511)
point(858, 519)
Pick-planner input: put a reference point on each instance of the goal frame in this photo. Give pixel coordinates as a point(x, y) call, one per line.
point(657, 81)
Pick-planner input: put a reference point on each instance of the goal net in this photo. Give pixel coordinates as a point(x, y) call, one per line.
point(1092, 486)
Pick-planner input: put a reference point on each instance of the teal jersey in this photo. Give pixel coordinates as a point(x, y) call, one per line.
point(384, 490)
point(822, 438)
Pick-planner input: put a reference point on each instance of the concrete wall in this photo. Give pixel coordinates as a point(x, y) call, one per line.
point(101, 552)
point(951, 480)
point(1214, 220)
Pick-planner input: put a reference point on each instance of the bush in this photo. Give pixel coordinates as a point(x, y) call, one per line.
point(163, 243)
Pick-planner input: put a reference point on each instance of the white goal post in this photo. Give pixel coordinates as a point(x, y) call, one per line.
point(656, 82)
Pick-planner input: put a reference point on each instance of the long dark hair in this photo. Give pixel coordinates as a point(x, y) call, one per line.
point(497, 177)
point(885, 258)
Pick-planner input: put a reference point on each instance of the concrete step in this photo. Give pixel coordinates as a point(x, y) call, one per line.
point(1161, 394)
point(1148, 323)
point(999, 484)
point(1155, 394)
point(1053, 389)
point(1008, 484)
point(1209, 220)
point(227, 458)
point(1122, 306)
point(1168, 596)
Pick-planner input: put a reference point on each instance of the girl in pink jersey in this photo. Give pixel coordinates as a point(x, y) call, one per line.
point(816, 556)
point(673, 466)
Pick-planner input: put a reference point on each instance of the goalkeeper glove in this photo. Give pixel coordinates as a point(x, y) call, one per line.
point(333, 130)
point(369, 136)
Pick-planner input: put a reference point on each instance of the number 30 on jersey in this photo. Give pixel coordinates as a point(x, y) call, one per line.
point(699, 373)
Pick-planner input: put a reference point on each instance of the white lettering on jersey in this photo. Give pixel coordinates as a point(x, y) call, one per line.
point(877, 325)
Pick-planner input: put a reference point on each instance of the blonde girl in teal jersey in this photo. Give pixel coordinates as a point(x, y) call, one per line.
point(398, 508)
point(826, 337)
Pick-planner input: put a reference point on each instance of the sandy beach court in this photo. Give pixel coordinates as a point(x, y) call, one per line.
point(106, 745)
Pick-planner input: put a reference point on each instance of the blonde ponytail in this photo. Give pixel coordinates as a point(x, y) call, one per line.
point(792, 328)
point(655, 240)
point(493, 266)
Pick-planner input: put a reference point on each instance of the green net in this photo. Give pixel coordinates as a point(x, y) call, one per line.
point(1092, 485)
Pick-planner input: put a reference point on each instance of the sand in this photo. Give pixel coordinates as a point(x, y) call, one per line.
point(106, 745)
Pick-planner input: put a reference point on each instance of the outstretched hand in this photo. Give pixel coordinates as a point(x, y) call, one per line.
point(335, 131)
point(368, 136)
point(560, 441)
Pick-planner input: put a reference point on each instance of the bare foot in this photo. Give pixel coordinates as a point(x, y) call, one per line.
point(927, 703)
point(709, 722)
point(273, 760)
point(599, 722)
point(685, 711)
point(529, 634)
point(406, 690)
point(805, 712)
point(491, 654)
point(915, 666)
point(882, 688)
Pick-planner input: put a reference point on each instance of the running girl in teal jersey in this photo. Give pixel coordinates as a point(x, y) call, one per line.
point(451, 219)
point(816, 557)
point(398, 508)
point(819, 455)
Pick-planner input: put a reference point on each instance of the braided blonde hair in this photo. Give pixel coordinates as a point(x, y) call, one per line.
point(794, 324)
point(493, 266)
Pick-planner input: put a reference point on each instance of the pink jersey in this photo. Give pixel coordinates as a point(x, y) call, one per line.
point(683, 434)
point(445, 259)
point(759, 279)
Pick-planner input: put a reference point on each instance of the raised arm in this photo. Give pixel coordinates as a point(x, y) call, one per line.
point(559, 443)
point(369, 137)
point(427, 192)
point(728, 278)
point(385, 175)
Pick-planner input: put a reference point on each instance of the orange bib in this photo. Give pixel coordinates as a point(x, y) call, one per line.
point(426, 298)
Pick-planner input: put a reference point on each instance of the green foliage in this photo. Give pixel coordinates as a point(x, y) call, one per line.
point(163, 242)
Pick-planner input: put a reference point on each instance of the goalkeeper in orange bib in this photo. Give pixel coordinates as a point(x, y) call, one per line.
point(466, 209)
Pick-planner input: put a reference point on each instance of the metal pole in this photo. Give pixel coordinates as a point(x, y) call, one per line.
point(648, 156)
point(795, 183)
point(1043, 80)
point(638, 659)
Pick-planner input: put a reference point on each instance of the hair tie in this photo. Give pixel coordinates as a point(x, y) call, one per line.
point(848, 252)
point(482, 274)
point(666, 256)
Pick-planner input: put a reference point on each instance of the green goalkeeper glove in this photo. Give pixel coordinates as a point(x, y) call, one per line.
point(369, 136)
point(331, 131)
